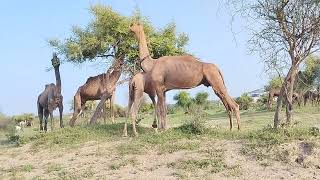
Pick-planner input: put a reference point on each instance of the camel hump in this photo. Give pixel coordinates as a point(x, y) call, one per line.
point(49, 85)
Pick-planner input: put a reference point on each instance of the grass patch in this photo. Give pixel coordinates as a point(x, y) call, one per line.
point(178, 146)
point(131, 148)
point(27, 168)
point(123, 163)
point(53, 168)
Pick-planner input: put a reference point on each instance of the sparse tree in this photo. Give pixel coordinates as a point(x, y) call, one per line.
point(285, 33)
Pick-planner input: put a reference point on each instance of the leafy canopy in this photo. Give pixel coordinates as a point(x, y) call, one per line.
point(183, 99)
point(107, 37)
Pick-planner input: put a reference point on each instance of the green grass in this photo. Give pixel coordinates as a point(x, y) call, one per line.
point(256, 132)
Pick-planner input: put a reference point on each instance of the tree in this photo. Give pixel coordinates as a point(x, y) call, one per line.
point(183, 99)
point(107, 37)
point(285, 33)
point(201, 98)
point(244, 101)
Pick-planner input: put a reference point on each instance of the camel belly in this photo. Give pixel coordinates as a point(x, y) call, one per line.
point(183, 77)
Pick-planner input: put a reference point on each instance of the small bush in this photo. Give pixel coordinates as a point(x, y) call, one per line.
point(196, 124)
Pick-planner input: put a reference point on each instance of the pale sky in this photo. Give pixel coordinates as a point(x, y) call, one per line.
point(27, 25)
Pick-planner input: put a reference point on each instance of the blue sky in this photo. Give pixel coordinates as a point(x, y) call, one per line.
point(27, 25)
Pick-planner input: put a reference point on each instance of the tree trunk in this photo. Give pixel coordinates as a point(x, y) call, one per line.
point(287, 90)
point(99, 108)
point(289, 100)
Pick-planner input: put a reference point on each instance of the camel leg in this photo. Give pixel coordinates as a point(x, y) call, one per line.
point(40, 115)
point(155, 123)
point(51, 121)
point(134, 110)
point(216, 81)
point(125, 129)
point(46, 115)
point(104, 113)
point(228, 109)
point(60, 113)
point(77, 108)
point(112, 107)
point(160, 107)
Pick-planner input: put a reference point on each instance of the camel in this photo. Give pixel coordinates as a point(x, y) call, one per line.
point(95, 87)
point(276, 92)
point(138, 84)
point(51, 98)
point(311, 96)
point(180, 72)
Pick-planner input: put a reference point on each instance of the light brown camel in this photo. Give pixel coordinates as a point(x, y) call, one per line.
point(276, 92)
point(138, 84)
point(181, 72)
point(95, 87)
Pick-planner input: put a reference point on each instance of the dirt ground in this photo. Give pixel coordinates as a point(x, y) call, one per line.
point(93, 160)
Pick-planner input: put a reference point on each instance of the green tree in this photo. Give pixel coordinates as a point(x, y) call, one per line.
point(183, 99)
point(201, 98)
point(274, 83)
point(107, 37)
point(244, 101)
point(309, 77)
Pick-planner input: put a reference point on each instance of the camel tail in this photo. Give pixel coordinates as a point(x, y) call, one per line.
point(221, 77)
point(131, 96)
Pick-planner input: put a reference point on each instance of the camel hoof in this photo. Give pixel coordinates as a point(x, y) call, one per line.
point(124, 135)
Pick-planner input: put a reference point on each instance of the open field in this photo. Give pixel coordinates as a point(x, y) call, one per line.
point(182, 152)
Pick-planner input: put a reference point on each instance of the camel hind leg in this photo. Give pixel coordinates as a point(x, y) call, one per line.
point(215, 79)
point(77, 108)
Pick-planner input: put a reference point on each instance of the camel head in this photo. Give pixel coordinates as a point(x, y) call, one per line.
point(55, 60)
point(136, 28)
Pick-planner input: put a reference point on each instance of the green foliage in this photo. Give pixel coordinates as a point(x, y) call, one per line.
point(201, 98)
point(183, 99)
point(274, 83)
point(24, 117)
point(244, 101)
point(107, 36)
point(310, 76)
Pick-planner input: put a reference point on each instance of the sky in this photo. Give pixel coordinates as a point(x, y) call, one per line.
point(25, 54)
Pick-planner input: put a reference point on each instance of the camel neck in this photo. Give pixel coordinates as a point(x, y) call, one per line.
point(58, 79)
point(144, 54)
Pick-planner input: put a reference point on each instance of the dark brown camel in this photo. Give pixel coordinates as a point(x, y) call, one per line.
point(276, 92)
point(51, 98)
point(138, 84)
point(95, 87)
point(312, 96)
point(181, 72)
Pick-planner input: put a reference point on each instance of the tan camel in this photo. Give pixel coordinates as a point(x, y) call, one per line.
point(181, 72)
point(95, 87)
point(138, 84)
point(276, 92)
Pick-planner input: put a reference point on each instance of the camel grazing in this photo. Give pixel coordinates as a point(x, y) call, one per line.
point(51, 98)
point(138, 84)
point(312, 96)
point(95, 87)
point(276, 92)
point(181, 72)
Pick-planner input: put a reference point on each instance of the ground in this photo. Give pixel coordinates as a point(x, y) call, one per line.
point(185, 151)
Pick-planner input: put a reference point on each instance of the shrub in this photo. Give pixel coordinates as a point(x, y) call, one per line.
point(196, 123)
point(244, 101)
